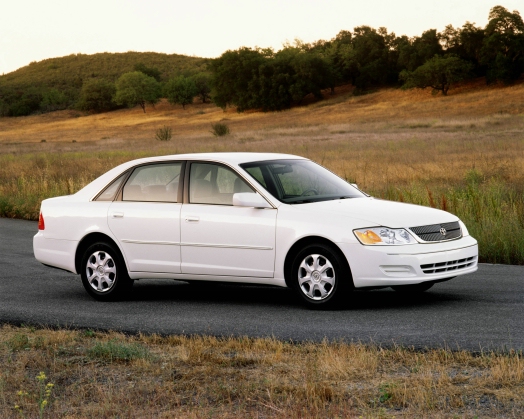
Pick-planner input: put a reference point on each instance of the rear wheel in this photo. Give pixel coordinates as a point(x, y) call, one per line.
point(413, 289)
point(320, 276)
point(104, 274)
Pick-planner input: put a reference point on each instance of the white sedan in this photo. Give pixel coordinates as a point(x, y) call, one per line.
point(258, 218)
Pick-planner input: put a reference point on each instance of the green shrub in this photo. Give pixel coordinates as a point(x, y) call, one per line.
point(18, 342)
point(219, 129)
point(163, 134)
point(114, 351)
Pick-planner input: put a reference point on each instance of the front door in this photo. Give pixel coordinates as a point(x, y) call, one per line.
point(218, 238)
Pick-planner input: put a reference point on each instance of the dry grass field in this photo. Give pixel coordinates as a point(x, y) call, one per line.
point(463, 153)
point(383, 110)
point(108, 375)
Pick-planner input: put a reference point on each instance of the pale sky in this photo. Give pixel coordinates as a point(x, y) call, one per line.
point(33, 30)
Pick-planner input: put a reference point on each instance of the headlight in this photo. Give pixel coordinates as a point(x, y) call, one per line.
point(465, 231)
point(384, 236)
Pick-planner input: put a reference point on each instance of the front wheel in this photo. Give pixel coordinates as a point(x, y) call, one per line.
point(320, 276)
point(104, 274)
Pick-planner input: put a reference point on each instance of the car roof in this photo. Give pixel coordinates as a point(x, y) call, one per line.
point(232, 158)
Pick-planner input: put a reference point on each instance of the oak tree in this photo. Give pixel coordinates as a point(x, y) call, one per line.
point(135, 88)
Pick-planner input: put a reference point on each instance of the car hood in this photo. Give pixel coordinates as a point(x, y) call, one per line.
point(381, 212)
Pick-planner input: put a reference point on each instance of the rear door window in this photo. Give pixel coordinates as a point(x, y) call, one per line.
point(153, 183)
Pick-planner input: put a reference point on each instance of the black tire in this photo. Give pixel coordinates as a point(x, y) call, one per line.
point(321, 289)
point(104, 273)
point(414, 289)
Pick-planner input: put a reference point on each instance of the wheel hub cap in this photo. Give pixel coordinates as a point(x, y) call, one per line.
point(316, 277)
point(101, 271)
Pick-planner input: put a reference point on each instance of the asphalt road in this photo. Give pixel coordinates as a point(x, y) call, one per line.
point(482, 311)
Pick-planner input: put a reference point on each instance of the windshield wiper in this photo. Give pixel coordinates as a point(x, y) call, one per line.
point(304, 201)
point(308, 201)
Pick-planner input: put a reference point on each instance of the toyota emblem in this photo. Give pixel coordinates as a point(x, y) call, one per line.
point(443, 231)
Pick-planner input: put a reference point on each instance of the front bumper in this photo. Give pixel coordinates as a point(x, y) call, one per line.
point(373, 266)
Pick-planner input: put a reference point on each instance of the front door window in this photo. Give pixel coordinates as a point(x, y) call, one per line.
point(214, 184)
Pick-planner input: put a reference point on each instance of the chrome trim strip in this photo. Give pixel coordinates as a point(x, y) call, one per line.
point(221, 246)
point(435, 251)
point(449, 266)
point(226, 246)
point(435, 242)
point(150, 242)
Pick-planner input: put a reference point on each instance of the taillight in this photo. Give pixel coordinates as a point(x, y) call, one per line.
point(41, 224)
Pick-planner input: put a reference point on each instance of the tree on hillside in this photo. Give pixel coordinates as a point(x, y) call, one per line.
point(366, 59)
point(24, 102)
point(135, 88)
point(180, 90)
point(269, 86)
point(53, 100)
point(335, 53)
point(203, 85)
point(466, 43)
point(148, 71)
point(503, 45)
point(4, 107)
point(97, 96)
point(414, 52)
point(233, 72)
point(438, 73)
point(311, 74)
point(261, 79)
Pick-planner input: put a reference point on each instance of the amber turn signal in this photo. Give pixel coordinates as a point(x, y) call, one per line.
point(368, 237)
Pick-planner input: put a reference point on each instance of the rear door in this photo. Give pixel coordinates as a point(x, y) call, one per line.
point(146, 218)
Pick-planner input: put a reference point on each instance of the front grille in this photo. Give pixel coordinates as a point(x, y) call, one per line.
point(432, 233)
point(452, 265)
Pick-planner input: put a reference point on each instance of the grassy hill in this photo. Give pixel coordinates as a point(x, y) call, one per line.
point(57, 81)
point(70, 71)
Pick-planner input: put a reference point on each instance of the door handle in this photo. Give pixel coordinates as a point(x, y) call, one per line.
point(192, 219)
point(118, 215)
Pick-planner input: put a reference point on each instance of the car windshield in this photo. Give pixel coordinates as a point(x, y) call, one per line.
point(300, 181)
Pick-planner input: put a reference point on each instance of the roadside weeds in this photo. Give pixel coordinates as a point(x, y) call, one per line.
point(106, 375)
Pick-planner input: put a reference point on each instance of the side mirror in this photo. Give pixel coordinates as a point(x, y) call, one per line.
point(249, 199)
point(354, 185)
